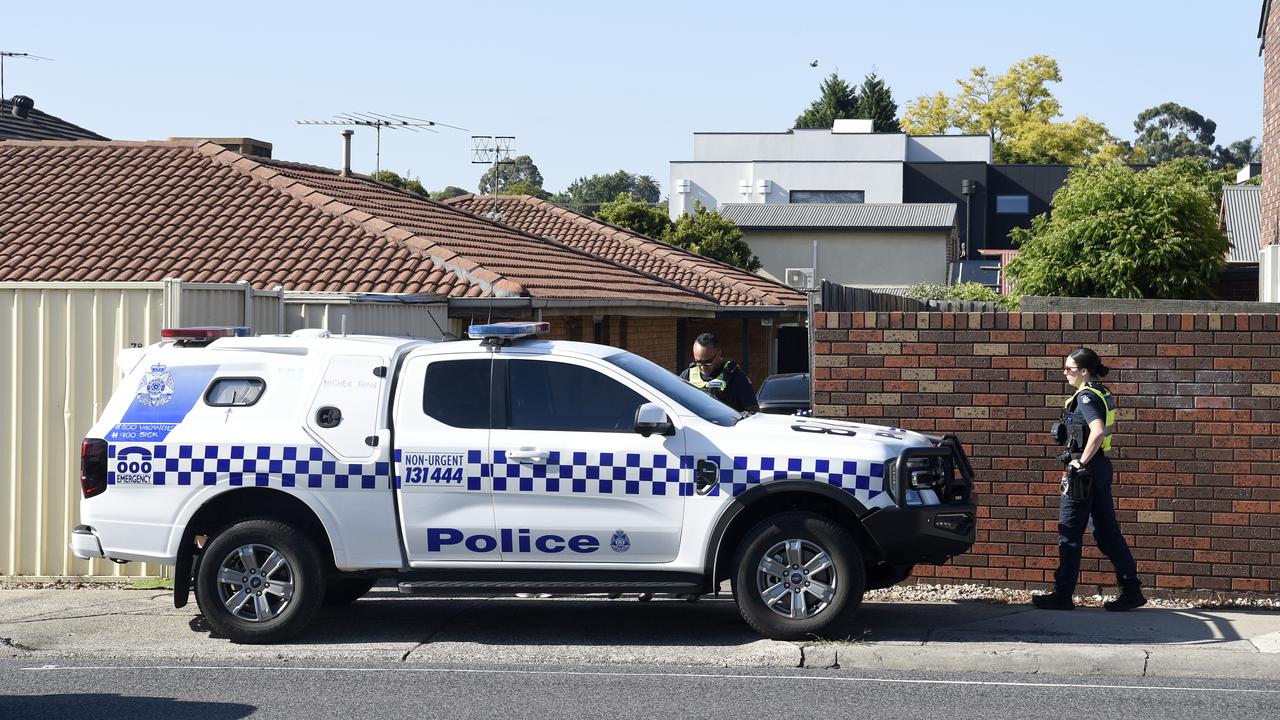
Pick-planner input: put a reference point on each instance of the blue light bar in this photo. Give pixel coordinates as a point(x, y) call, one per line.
point(509, 330)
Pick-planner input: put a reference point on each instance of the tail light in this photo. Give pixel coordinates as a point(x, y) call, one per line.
point(93, 467)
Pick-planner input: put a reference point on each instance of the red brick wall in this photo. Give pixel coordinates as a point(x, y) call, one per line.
point(1197, 449)
point(648, 337)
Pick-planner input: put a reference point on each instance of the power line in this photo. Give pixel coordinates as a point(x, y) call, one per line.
point(10, 54)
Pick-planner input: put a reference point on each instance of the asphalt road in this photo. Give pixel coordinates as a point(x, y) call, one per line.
point(132, 689)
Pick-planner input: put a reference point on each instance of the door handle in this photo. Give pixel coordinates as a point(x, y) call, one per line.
point(529, 455)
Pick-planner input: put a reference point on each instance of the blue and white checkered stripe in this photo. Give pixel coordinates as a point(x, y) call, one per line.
point(286, 466)
point(657, 475)
point(862, 479)
point(597, 473)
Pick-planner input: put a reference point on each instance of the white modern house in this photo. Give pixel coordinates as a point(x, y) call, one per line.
point(842, 186)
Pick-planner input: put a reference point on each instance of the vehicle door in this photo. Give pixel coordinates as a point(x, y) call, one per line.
point(441, 419)
point(572, 480)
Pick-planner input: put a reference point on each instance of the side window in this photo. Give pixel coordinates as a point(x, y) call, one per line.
point(559, 396)
point(234, 392)
point(456, 393)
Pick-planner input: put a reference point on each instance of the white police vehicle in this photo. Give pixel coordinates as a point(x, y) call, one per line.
point(278, 473)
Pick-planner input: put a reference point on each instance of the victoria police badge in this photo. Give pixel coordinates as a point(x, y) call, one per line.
point(156, 387)
point(620, 542)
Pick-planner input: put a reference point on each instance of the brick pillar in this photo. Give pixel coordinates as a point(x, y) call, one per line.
point(1269, 270)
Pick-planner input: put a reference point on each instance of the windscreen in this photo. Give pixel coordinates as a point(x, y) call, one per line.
point(662, 380)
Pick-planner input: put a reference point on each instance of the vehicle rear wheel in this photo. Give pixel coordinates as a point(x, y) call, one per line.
point(798, 575)
point(344, 591)
point(260, 581)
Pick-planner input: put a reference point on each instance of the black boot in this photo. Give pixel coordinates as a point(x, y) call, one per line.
point(1130, 597)
point(1056, 600)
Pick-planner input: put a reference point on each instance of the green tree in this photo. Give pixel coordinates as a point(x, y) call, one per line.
point(449, 191)
point(1116, 232)
point(1017, 110)
point(837, 101)
point(1237, 154)
point(875, 101)
point(1169, 131)
point(587, 194)
point(627, 211)
point(414, 186)
point(520, 169)
point(524, 187)
point(709, 234)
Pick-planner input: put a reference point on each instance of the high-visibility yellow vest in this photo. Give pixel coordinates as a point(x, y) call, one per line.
point(1081, 434)
point(718, 386)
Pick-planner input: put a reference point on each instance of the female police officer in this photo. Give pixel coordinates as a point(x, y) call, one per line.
point(1087, 421)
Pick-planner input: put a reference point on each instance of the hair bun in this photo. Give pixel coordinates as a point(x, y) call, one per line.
point(1102, 370)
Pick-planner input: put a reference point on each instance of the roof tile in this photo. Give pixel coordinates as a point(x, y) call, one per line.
point(151, 210)
point(728, 285)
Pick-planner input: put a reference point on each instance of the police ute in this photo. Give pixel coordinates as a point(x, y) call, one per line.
point(281, 473)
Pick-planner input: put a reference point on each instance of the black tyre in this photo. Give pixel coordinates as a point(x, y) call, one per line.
point(798, 575)
point(260, 581)
point(344, 591)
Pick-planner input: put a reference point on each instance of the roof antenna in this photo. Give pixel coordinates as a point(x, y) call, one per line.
point(377, 121)
point(495, 150)
point(8, 54)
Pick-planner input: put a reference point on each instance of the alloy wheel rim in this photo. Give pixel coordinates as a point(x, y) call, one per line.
point(255, 583)
point(796, 579)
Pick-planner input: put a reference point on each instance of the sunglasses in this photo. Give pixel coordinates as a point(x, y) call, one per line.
point(1070, 369)
point(710, 361)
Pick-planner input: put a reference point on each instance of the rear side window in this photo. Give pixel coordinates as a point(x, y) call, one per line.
point(457, 393)
point(234, 392)
point(559, 396)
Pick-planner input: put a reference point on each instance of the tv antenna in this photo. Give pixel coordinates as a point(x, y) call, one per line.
point(378, 121)
point(8, 54)
point(492, 150)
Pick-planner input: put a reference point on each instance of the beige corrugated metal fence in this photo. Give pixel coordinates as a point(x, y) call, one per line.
point(60, 372)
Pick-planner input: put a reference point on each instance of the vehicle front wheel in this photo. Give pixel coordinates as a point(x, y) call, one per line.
point(798, 575)
point(260, 581)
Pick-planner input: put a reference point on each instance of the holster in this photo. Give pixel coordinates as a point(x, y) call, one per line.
point(1077, 483)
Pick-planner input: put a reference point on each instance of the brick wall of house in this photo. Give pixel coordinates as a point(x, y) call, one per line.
point(1197, 450)
point(656, 338)
point(649, 337)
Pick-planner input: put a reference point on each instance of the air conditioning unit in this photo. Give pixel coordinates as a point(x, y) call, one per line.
point(800, 278)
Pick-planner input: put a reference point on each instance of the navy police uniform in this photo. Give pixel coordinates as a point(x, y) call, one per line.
point(730, 386)
point(1091, 402)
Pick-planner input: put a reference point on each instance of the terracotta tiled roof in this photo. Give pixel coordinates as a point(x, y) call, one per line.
point(80, 211)
point(729, 285)
point(39, 125)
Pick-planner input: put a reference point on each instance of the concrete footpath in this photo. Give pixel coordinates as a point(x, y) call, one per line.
point(979, 636)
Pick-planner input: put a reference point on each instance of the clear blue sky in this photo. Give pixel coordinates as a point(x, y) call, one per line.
point(591, 87)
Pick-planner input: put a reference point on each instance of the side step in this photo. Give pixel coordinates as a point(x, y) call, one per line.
point(562, 582)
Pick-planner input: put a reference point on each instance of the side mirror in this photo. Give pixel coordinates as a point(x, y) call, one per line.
point(651, 418)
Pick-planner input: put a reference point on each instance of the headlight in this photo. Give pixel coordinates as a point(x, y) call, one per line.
point(925, 473)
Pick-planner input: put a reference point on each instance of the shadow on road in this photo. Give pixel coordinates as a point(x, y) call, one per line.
point(386, 616)
point(107, 706)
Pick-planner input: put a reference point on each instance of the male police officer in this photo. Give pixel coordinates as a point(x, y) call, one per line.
point(720, 378)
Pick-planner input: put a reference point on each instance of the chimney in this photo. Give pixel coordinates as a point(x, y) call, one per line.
point(346, 152)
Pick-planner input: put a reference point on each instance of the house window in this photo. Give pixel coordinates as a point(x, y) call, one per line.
point(1012, 205)
point(828, 196)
